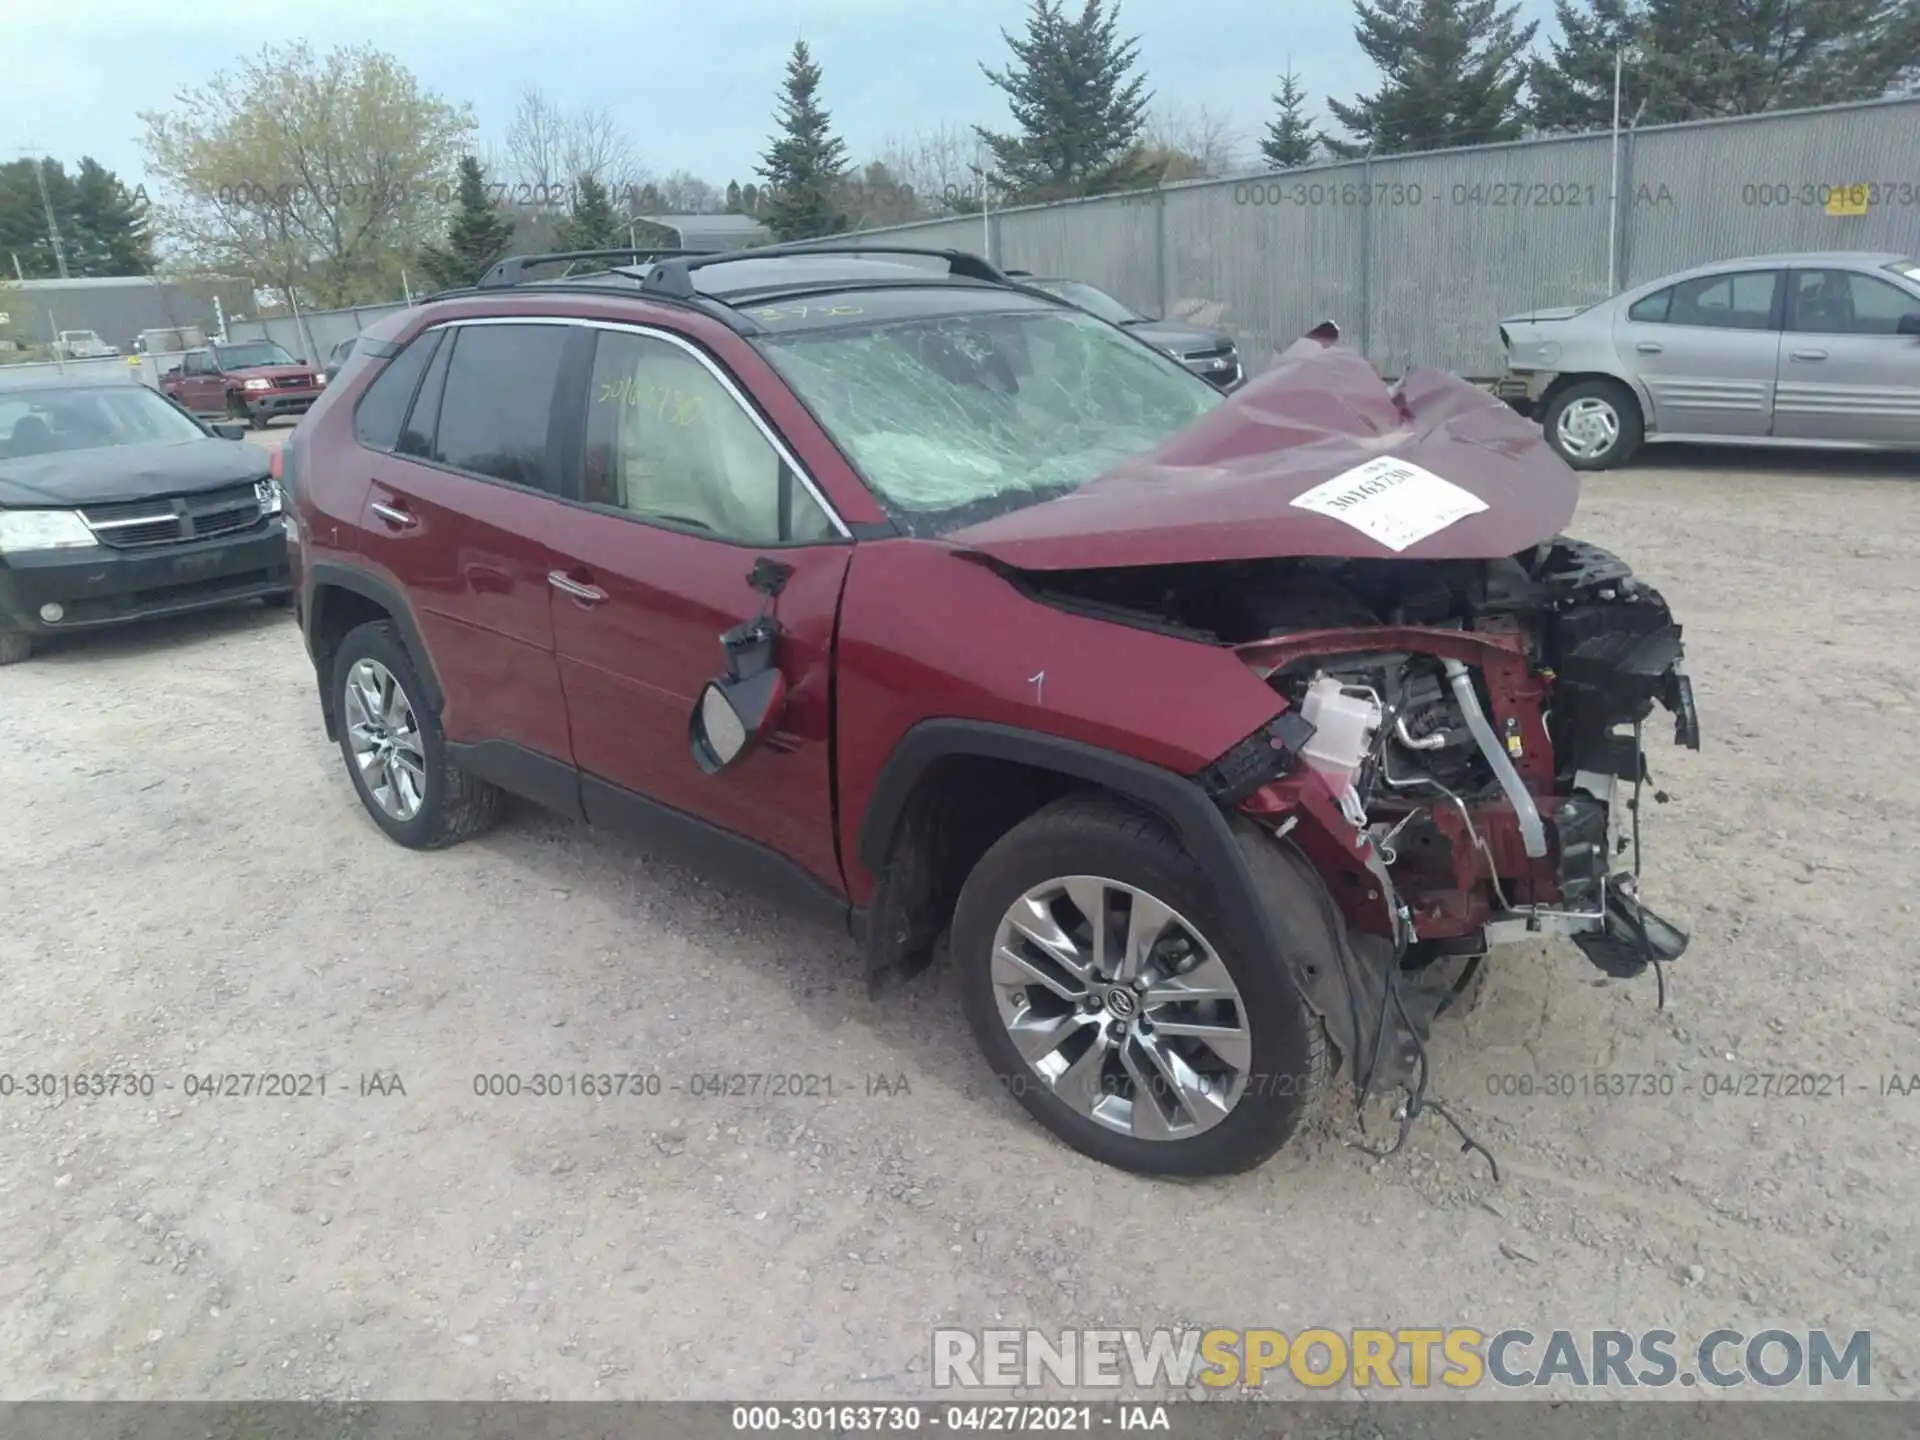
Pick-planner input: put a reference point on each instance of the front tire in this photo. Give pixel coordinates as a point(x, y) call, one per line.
point(15, 646)
point(1594, 424)
point(1111, 996)
point(395, 751)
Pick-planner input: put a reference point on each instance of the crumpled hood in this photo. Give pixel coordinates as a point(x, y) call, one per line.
point(1317, 457)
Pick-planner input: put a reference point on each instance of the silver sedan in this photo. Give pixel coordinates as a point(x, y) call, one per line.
point(1816, 350)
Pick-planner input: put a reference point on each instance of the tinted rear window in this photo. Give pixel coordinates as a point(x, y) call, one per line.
point(417, 437)
point(499, 402)
point(383, 409)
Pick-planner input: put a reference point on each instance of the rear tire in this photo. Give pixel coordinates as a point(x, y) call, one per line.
point(409, 787)
point(1594, 424)
point(1272, 1042)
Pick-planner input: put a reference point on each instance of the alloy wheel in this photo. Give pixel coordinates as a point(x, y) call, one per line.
point(1588, 427)
point(384, 735)
point(1121, 1008)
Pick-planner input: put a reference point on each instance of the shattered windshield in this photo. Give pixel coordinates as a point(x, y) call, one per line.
point(957, 418)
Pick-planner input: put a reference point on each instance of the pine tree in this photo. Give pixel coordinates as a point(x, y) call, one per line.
point(477, 238)
point(1290, 141)
point(733, 198)
point(103, 225)
point(590, 223)
point(1697, 59)
point(1079, 108)
point(1739, 57)
point(804, 165)
point(1452, 72)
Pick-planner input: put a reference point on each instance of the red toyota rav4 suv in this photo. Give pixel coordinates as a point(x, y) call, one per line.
point(1219, 736)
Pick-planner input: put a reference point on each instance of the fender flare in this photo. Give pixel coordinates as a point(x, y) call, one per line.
point(333, 574)
point(1203, 828)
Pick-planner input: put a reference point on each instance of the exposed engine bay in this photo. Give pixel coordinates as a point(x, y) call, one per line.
point(1462, 751)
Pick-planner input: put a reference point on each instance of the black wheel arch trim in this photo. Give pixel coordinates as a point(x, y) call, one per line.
point(334, 574)
point(1203, 828)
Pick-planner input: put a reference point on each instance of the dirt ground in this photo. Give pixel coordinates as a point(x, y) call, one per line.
point(191, 888)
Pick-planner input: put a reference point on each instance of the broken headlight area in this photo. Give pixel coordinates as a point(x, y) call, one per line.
point(1461, 759)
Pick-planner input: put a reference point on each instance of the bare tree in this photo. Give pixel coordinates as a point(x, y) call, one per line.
point(546, 149)
point(1211, 142)
point(685, 193)
point(938, 165)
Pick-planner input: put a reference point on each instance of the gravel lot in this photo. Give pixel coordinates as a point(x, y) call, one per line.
point(191, 887)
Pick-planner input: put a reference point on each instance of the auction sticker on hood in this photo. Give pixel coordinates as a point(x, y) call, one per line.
point(1393, 501)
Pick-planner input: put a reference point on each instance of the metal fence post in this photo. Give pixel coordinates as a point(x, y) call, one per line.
point(1623, 266)
point(1366, 258)
point(1162, 281)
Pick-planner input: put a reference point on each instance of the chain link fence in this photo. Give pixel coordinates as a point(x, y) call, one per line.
point(1418, 257)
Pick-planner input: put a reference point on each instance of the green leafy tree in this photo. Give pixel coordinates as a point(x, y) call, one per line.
point(1078, 107)
point(104, 226)
point(315, 174)
point(590, 223)
point(478, 236)
point(805, 165)
point(1452, 72)
point(1290, 141)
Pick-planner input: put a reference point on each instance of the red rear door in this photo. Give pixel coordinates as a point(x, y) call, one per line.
point(464, 516)
point(682, 488)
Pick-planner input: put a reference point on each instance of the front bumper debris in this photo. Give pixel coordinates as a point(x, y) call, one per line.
point(1631, 937)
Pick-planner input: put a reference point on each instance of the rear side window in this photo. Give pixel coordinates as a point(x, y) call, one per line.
point(1742, 301)
point(383, 409)
point(417, 437)
point(499, 402)
point(1652, 309)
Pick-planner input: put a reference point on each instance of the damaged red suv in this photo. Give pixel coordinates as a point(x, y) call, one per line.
point(1216, 737)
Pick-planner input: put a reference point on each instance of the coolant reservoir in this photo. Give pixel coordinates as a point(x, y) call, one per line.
point(1343, 725)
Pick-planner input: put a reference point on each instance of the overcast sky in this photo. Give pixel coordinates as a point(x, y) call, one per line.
point(693, 83)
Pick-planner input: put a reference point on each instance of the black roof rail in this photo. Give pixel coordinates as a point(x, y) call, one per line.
point(507, 272)
point(675, 276)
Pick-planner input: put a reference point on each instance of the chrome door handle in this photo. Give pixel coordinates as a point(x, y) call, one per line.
point(585, 594)
point(1649, 347)
point(1809, 355)
point(393, 516)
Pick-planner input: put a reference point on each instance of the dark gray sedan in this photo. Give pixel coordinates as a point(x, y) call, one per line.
point(1818, 349)
point(115, 505)
point(1210, 354)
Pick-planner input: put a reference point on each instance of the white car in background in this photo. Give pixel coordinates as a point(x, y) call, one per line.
point(83, 345)
point(1819, 349)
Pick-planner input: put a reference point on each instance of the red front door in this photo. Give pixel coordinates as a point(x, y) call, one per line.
point(682, 492)
point(198, 386)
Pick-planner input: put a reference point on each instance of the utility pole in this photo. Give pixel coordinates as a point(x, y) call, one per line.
point(53, 228)
point(1613, 190)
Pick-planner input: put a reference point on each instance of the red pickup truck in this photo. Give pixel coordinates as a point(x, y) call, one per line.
point(252, 380)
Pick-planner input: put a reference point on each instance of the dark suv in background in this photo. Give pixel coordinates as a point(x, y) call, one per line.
point(948, 610)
